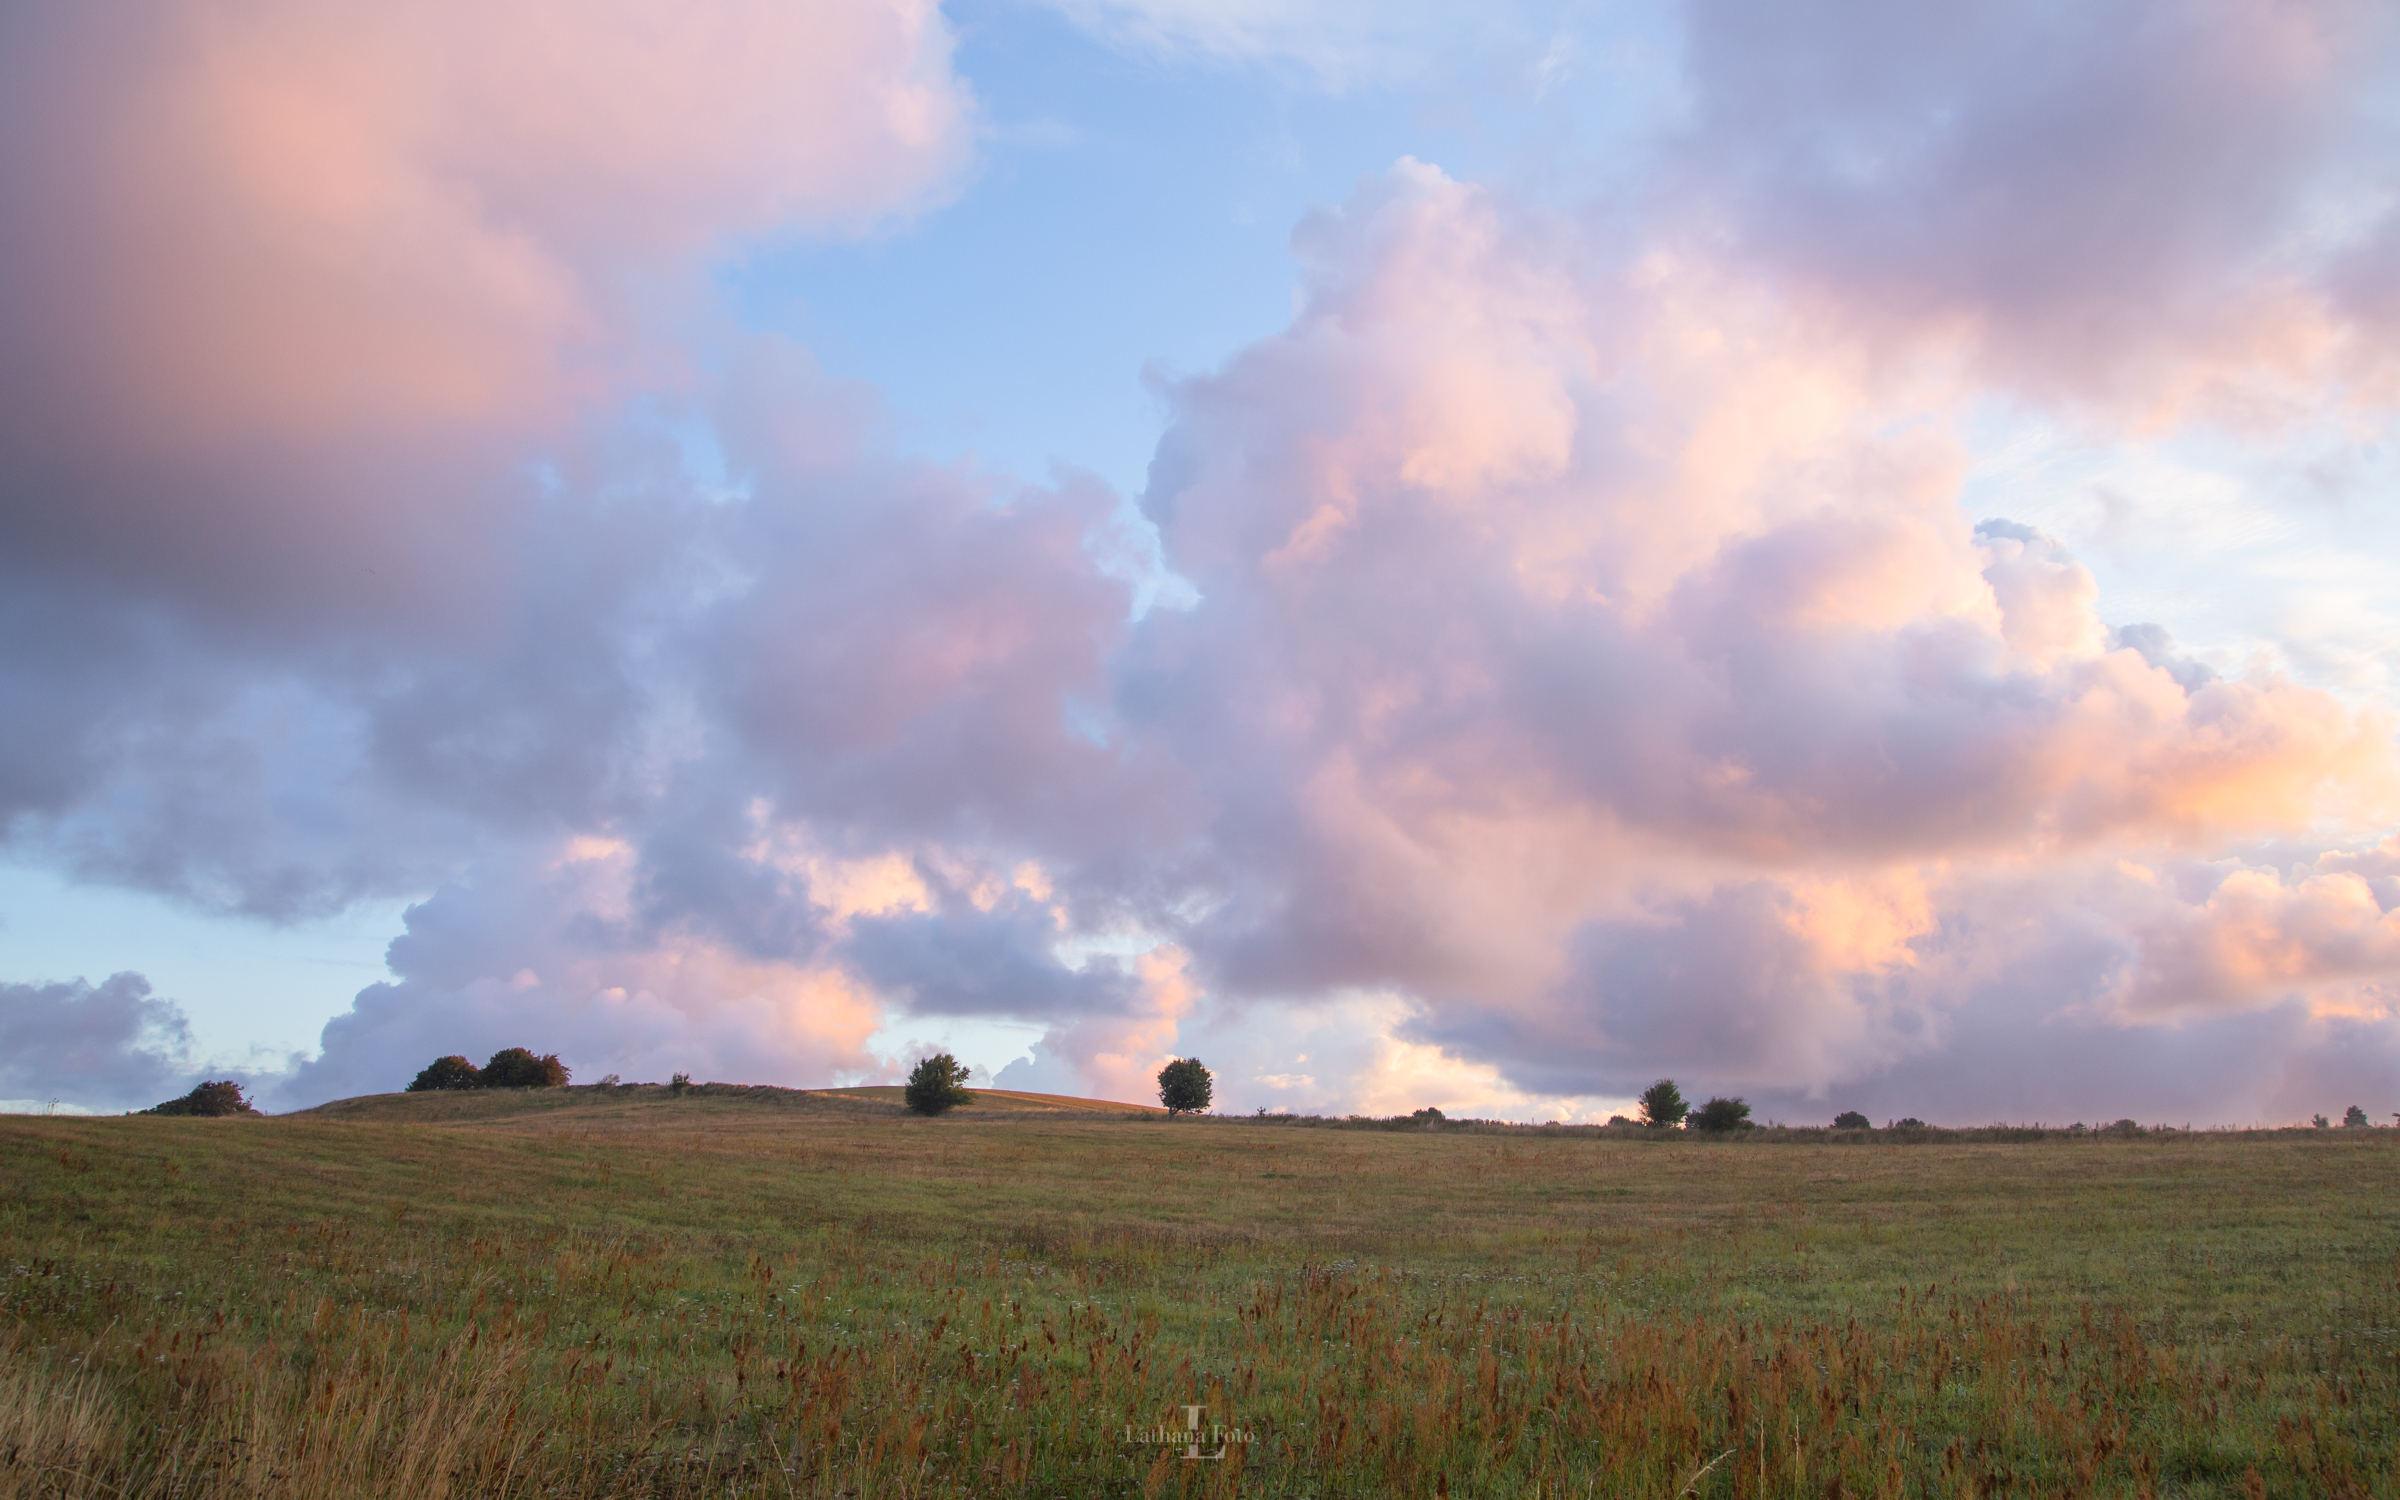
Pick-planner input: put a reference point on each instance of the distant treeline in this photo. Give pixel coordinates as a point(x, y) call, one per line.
point(1908, 1133)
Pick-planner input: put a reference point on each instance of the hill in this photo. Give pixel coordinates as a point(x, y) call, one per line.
point(587, 1293)
point(1011, 1099)
point(655, 1105)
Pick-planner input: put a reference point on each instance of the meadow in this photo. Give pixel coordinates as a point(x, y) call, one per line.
point(600, 1292)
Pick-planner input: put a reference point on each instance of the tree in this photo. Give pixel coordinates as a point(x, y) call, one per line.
point(1662, 1105)
point(516, 1068)
point(1851, 1119)
point(1185, 1086)
point(223, 1097)
point(938, 1083)
point(1910, 1122)
point(447, 1073)
point(2354, 1118)
point(1722, 1114)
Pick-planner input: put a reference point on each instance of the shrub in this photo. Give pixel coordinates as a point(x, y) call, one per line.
point(1428, 1116)
point(516, 1068)
point(2354, 1118)
point(1851, 1119)
point(446, 1073)
point(938, 1083)
point(1185, 1086)
point(1662, 1105)
point(2126, 1127)
point(679, 1083)
point(1910, 1122)
point(1722, 1114)
point(223, 1097)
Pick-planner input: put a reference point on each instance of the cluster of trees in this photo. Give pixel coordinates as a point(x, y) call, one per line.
point(510, 1068)
point(1663, 1108)
point(2353, 1118)
point(222, 1097)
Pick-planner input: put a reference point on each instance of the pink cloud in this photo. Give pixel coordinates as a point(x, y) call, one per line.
point(1639, 726)
point(307, 283)
point(2138, 206)
point(1592, 671)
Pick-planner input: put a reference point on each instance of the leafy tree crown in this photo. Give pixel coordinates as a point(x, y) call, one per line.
point(1722, 1114)
point(447, 1073)
point(938, 1083)
point(1851, 1119)
point(216, 1098)
point(1184, 1086)
point(516, 1068)
point(1663, 1106)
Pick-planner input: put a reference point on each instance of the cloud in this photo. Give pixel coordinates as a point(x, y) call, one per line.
point(290, 296)
point(1587, 668)
point(109, 1046)
point(561, 956)
point(2144, 206)
point(1608, 667)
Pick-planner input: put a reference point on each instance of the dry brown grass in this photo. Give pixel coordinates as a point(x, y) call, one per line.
point(736, 1294)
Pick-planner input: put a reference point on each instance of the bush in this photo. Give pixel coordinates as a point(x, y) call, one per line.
point(1185, 1086)
point(223, 1097)
point(1910, 1122)
point(939, 1083)
point(1721, 1114)
point(1662, 1105)
point(446, 1073)
point(679, 1083)
point(2126, 1127)
point(1428, 1116)
point(1851, 1119)
point(516, 1068)
point(2354, 1118)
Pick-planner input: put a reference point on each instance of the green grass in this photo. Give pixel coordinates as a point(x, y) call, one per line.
point(587, 1292)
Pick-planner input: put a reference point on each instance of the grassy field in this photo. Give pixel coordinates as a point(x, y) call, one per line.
point(753, 1292)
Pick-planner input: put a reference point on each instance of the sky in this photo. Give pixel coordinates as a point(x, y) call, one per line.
point(1843, 554)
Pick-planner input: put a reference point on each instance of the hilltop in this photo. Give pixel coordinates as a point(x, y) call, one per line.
point(659, 1104)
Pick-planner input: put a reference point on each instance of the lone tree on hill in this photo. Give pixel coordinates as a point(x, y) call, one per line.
point(447, 1073)
point(516, 1068)
point(1722, 1114)
point(938, 1083)
point(1185, 1087)
point(223, 1097)
point(1851, 1119)
point(2354, 1118)
point(1662, 1105)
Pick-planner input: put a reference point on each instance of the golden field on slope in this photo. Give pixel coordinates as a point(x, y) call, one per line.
point(590, 1292)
